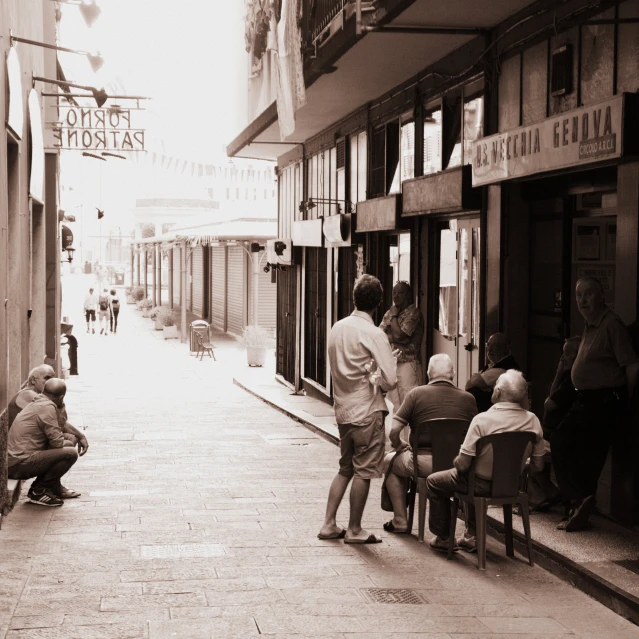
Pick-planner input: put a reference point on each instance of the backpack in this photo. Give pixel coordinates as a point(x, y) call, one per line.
point(115, 303)
point(104, 302)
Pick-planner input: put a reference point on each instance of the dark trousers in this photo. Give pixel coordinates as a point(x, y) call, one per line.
point(73, 360)
point(579, 446)
point(441, 487)
point(47, 466)
point(114, 318)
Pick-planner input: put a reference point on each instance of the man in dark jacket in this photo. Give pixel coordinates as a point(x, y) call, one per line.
point(481, 385)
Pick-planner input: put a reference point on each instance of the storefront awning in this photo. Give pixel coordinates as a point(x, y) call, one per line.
point(240, 230)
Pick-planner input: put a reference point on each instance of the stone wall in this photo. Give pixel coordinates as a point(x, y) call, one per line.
point(4, 430)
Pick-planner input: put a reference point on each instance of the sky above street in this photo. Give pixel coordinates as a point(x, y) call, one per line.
point(187, 55)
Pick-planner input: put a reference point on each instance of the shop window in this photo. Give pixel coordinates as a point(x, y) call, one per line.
point(385, 160)
point(447, 316)
point(432, 141)
point(358, 162)
point(473, 124)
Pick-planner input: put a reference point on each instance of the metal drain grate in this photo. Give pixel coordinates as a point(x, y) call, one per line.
point(629, 564)
point(392, 596)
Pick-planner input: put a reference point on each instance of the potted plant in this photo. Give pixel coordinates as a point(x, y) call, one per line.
point(130, 295)
point(167, 318)
point(138, 296)
point(153, 315)
point(146, 305)
point(256, 340)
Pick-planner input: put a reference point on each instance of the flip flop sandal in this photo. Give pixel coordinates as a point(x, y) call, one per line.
point(339, 535)
point(371, 539)
point(389, 526)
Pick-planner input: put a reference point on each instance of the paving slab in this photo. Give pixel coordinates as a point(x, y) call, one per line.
point(199, 516)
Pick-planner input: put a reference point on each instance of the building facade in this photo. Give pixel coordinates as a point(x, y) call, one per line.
point(30, 250)
point(483, 152)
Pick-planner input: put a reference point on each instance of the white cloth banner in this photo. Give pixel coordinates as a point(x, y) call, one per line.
point(291, 91)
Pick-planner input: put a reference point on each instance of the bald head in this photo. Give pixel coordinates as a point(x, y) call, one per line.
point(511, 386)
point(38, 377)
point(55, 389)
point(497, 347)
point(440, 366)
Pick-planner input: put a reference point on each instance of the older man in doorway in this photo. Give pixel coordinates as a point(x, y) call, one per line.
point(403, 323)
point(605, 376)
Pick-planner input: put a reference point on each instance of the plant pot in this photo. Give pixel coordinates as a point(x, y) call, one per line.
point(256, 356)
point(130, 299)
point(145, 312)
point(158, 324)
point(170, 332)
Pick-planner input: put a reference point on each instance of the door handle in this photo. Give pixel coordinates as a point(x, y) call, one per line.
point(469, 347)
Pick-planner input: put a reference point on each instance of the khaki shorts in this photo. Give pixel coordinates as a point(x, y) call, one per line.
point(403, 464)
point(362, 448)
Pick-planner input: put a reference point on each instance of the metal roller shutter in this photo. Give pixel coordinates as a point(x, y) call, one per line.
point(189, 279)
point(176, 276)
point(267, 300)
point(218, 288)
point(198, 280)
point(236, 299)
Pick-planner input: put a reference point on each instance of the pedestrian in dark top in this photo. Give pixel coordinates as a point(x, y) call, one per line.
point(73, 351)
point(604, 375)
point(500, 359)
point(115, 311)
point(440, 398)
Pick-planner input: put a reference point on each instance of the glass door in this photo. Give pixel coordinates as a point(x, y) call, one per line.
point(457, 317)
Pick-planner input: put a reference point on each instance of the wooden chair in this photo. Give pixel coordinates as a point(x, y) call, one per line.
point(446, 437)
point(204, 345)
point(510, 451)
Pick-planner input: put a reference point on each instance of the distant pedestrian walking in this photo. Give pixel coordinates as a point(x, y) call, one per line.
point(90, 306)
point(115, 311)
point(104, 311)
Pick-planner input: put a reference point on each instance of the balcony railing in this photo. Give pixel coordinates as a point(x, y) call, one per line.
point(320, 14)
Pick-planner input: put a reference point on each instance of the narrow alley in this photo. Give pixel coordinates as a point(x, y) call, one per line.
point(198, 518)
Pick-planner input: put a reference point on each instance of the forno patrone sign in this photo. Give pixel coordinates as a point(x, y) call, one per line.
point(96, 129)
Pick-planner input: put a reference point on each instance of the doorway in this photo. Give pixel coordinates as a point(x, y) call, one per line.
point(457, 273)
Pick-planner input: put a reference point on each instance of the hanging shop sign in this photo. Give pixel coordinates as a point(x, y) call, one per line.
point(36, 178)
point(96, 129)
point(582, 136)
point(337, 230)
point(15, 112)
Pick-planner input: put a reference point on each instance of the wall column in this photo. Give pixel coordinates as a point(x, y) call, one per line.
point(53, 260)
point(154, 266)
point(492, 234)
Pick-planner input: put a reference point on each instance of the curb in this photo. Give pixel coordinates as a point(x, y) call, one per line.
point(307, 424)
point(600, 589)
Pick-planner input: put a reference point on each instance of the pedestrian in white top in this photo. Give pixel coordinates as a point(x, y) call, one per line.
point(90, 306)
point(362, 366)
point(104, 310)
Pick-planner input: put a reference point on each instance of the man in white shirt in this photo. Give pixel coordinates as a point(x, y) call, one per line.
point(90, 305)
point(505, 416)
point(362, 365)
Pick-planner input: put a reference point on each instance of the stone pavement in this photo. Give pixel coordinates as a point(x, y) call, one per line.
point(198, 518)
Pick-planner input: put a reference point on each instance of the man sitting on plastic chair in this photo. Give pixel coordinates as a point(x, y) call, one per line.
point(505, 416)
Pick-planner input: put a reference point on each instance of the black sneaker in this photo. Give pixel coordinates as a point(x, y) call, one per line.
point(45, 498)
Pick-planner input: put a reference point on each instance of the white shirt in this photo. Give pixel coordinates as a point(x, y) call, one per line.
point(353, 342)
point(90, 302)
point(503, 417)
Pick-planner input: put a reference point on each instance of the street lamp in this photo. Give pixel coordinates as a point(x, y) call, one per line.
point(95, 59)
point(70, 251)
point(89, 10)
point(99, 95)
